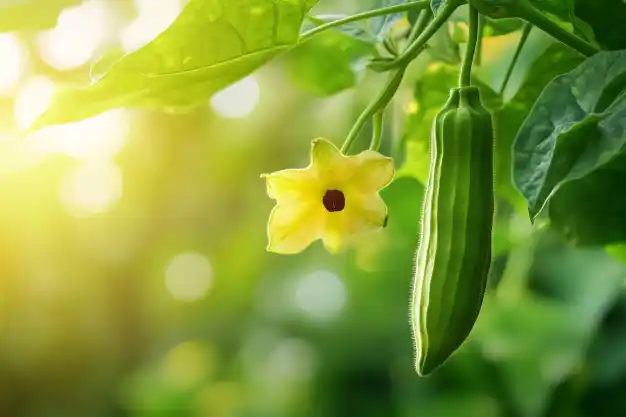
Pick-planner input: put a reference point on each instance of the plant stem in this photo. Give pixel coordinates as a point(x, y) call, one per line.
point(377, 130)
point(386, 94)
point(465, 76)
point(412, 5)
point(418, 45)
point(375, 106)
point(529, 13)
point(525, 32)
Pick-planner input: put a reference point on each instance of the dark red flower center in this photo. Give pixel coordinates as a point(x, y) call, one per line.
point(334, 200)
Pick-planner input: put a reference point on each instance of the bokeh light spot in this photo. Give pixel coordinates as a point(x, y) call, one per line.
point(91, 189)
point(101, 136)
point(320, 295)
point(237, 100)
point(13, 62)
point(189, 276)
point(32, 99)
point(79, 31)
point(187, 364)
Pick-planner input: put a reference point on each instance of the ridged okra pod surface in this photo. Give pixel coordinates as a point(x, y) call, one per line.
point(454, 253)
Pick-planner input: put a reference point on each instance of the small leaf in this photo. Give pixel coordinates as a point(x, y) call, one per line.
point(563, 138)
point(212, 44)
point(358, 30)
point(435, 5)
point(382, 24)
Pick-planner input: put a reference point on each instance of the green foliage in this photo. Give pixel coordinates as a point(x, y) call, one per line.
point(211, 44)
point(31, 14)
point(381, 25)
point(590, 211)
point(552, 146)
point(564, 13)
point(359, 30)
point(329, 63)
point(606, 20)
point(549, 340)
point(508, 119)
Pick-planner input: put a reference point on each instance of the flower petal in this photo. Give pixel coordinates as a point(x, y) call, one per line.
point(333, 169)
point(291, 185)
point(363, 212)
point(291, 228)
point(373, 172)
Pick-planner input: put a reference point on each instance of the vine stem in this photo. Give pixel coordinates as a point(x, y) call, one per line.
point(418, 45)
point(395, 78)
point(412, 5)
point(377, 130)
point(465, 76)
point(526, 11)
point(525, 33)
point(380, 102)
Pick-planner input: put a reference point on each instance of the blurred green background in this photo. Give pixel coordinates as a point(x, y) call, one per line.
point(133, 274)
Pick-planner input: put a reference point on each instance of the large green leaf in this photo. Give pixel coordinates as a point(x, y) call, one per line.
point(555, 60)
point(329, 63)
point(212, 43)
point(31, 14)
point(575, 127)
point(606, 18)
point(591, 211)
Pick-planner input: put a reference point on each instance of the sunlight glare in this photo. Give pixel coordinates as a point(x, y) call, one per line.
point(32, 99)
point(154, 18)
point(92, 188)
point(13, 62)
point(237, 100)
point(79, 31)
point(320, 295)
point(101, 136)
point(189, 276)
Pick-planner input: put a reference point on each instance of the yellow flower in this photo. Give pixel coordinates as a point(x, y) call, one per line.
point(333, 199)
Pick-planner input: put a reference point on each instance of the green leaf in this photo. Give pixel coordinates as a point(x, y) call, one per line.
point(382, 24)
point(571, 130)
point(358, 30)
point(435, 5)
point(31, 14)
point(533, 77)
point(606, 18)
point(562, 12)
point(212, 44)
point(329, 63)
point(590, 211)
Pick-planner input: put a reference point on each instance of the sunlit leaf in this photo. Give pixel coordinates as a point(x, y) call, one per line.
point(211, 44)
